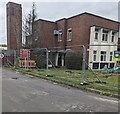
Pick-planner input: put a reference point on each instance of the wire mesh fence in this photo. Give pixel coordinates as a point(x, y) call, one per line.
point(70, 66)
point(11, 57)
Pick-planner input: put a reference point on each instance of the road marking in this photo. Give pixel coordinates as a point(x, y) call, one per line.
point(40, 93)
point(106, 100)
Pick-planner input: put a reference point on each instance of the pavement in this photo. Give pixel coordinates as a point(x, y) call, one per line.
point(22, 93)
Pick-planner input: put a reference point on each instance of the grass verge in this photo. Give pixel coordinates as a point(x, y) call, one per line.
point(74, 77)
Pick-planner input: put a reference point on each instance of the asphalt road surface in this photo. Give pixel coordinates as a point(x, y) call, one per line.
point(21, 93)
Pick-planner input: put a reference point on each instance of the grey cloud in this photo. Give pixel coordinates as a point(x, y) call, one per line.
point(58, 10)
point(108, 10)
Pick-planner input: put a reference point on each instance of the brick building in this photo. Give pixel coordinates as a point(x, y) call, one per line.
point(14, 26)
point(82, 29)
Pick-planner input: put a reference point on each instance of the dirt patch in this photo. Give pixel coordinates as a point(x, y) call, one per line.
point(15, 78)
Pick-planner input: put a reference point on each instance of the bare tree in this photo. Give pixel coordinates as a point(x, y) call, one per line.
point(28, 26)
point(27, 29)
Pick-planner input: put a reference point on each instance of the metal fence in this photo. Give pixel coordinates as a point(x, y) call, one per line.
point(54, 56)
point(57, 62)
point(10, 57)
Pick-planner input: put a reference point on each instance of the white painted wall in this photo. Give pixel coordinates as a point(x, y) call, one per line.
point(108, 49)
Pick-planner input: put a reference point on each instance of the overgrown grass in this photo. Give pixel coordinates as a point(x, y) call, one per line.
point(74, 78)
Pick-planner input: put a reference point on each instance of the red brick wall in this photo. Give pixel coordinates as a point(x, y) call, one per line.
point(78, 32)
point(45, 34)
point(62, 25)
point(14, 26)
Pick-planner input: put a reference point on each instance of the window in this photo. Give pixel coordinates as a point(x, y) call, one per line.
point(105, 36)
point(113, 35)
point(94, 55)
point(103, 55)
point(95, 65)
point(96, 34)
point(69, 34)
point(60, 36)
point(111, 56)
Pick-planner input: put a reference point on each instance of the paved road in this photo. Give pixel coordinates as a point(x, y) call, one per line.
point(27, 94)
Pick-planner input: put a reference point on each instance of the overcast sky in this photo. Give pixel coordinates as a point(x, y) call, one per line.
point(57, 9)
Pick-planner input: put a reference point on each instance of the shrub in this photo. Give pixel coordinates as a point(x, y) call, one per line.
point(40, 58)
point(52, 57)
point(73, 60)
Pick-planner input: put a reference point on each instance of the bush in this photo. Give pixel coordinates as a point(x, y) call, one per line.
point(52, 57)
point(40, 58)
point(41, 61)
point(73, 60)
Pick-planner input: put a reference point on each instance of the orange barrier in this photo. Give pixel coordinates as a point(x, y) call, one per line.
point(27, 63)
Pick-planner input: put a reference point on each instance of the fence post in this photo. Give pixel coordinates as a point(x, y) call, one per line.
point(27, 60)
point(47, 60)
point(84, 58)
point(84, 62)
point(14, 58)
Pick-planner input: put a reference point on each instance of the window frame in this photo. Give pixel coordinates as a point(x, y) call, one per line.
point(111, 56)
point(113, 37)
point(60, 35)
point(69, 34)
point(96, 36)
point(94, 55)
point(103, 56)
point(96, 33)
point(105, 36)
